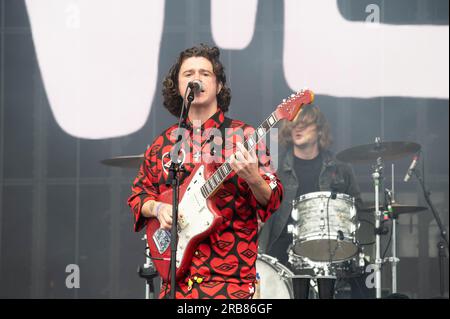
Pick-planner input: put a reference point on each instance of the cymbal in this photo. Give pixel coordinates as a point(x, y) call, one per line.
point(371, 152)
point(131, 161)
point(398, 209)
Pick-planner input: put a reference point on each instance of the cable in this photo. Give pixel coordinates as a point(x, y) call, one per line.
point(386, 249)
point(372, 224)
point(328, 225)
point(331, 254)
point(367, 221)
point(367, 244)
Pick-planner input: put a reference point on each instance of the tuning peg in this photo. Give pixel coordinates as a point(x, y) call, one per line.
point(292, 95)
point(284, 100)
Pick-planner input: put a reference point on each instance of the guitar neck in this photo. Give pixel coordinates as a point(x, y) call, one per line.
point(216, 179)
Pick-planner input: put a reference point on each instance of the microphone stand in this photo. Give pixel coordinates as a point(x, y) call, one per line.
point(173, 180)
point(443, 243)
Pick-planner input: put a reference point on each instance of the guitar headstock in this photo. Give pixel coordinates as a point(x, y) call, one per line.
point(289, 109)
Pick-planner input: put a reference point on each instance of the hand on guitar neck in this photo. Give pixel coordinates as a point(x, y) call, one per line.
point(245, 164)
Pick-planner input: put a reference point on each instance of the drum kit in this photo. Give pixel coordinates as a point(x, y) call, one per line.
point(324, 232)
point(325, 225)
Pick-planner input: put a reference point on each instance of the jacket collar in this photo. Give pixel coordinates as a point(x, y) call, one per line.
point(215, 121)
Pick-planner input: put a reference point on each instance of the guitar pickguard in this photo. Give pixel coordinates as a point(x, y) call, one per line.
point(196, 216)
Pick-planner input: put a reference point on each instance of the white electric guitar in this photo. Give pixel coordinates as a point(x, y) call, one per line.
point(201, 216)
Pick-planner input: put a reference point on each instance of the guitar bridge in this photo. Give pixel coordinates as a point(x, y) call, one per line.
point(182, 223)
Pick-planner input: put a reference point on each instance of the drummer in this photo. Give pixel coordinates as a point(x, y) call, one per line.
point(305, 165)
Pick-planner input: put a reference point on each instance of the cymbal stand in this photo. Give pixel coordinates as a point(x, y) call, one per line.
point(377, 177)
point(394, 260)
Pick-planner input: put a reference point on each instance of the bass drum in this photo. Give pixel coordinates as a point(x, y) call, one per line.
point(275, 280)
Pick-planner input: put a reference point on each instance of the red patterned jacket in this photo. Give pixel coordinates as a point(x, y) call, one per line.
point(225, 261)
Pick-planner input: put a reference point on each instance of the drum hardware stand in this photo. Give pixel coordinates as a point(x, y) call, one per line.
point(148, 272)
point(394, 260)
point(377, 176)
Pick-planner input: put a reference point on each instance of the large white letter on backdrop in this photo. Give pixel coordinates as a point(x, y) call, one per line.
point(99, 62)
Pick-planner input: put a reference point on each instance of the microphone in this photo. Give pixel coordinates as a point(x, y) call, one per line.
point(196, 86)
point(411, 168)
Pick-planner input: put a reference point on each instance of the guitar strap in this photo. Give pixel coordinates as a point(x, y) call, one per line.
point(225, 124)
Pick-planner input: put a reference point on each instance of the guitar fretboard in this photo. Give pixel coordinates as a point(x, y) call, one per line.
point(216, 179)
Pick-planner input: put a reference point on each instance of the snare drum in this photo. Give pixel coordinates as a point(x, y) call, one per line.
point(353, 267)
point(325, 226)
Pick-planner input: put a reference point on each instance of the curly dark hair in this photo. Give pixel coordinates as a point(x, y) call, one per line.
point(172, 99)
